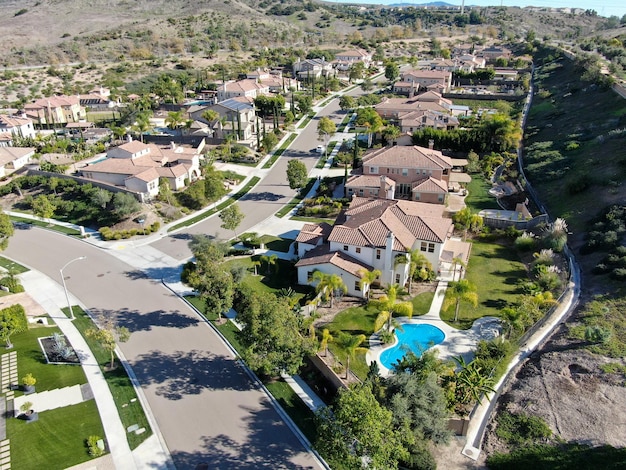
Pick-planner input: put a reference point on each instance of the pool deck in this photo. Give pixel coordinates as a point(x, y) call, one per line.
point(456, 342)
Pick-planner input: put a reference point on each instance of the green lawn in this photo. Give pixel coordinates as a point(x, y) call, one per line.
point(280, 151)
point(496, 272)
point(30, 359)
point(421, 303)
point(119, 383)
point(46, 225)
point(12, 266)
point(478, 197)
point(56, 440)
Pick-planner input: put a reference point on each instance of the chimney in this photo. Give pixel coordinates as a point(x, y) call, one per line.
point(388, 260)
point(431, 144)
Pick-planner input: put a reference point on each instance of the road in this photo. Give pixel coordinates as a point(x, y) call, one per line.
point(207, 408)
point(267, 197)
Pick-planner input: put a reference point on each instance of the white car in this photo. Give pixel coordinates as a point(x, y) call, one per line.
point(320, 149)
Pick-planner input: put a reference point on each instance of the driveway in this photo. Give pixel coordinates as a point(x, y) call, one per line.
point(207, 408)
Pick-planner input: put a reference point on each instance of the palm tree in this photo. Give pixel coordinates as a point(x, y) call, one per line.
point(458, 291)
point(270, 260)
point(329, 284)
point(174, 119)
point(210, 115)
point(388, 306)
point(142, 124)
point(352, 345)
point(367, 278)
point(456, 261)
point(391, 133)
point(326, 338)
point(255, 265)
point(513, 320)
point(416, 260)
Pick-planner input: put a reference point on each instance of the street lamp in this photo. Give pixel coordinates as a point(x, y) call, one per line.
point(67, 296)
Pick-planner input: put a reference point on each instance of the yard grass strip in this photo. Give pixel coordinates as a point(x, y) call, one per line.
point(131, 412)
point(324, 158)
point(46, 225)
point(304, 123)
point(235, 197)
point(287, 208)
point(280, 151)
point(12, 266)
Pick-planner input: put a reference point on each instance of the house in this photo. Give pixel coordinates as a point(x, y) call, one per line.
point(11, 126)
point(409, 89)
point(55, 110)
point(241, 88)
point(492, 53)
point(345, 59)
point(394, 108)
point(428, 78)
point(419, 119)
point(237, 116)
point(312, 68)
point(417, 173)
point(138, 167)
point(14, 158)
point(374, 234)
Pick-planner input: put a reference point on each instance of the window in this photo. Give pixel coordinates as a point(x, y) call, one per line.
point(405, 172)
point(377, 254)
point(372, 170)
point(418, 196)
point(397, 278)
point(358, 249)
point(345, 248)
point(429, 247)
point(440, 198)
point(361, 192)
point(357, 286)
point(309, 276)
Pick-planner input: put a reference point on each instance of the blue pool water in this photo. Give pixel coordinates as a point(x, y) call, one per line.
point(416, 338)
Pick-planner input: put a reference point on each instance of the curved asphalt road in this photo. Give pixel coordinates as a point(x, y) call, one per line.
point(267, 197)
point(207, 408)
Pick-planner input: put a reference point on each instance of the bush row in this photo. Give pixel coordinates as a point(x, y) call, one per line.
point(109, 234)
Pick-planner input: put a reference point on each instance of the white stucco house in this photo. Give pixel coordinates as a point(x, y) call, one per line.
point(374, 234)
point(138, 167)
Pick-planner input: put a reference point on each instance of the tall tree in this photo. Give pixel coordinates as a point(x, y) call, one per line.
point(215, 287)
point(352, 345)
point(357, 431)
point(326, 128)
point(347, 102)
point(272, 334)
point(231, 218)
point(392, 71)
point(125, 204)
point(297, 174)
point(43, 207)
point(326, 338)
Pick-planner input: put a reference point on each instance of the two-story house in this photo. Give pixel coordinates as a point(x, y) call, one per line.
point(416, 173)
point(14, 158)
point(12, 126)
point(242, 88)
point(438, 80)
point(373, 234)
point(138, 167)
point(55, 110)
point(237, 117)
point(345, 59)
point(312, 68)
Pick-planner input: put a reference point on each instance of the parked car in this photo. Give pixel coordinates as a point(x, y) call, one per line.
point(320, 149)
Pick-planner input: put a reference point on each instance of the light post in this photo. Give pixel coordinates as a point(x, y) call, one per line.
point(67, 296)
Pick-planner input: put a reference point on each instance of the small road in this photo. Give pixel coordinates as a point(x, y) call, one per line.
point(267, 197)
point(207, 408)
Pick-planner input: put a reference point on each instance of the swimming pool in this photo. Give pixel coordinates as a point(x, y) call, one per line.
point(413, 337)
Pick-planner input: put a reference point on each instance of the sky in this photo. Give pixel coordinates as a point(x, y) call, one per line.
point(603, 7)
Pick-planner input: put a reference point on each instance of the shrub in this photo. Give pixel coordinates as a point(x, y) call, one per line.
point(597, 334)
point(525, 242)
point(92, 444)
point(12, 283)
point(521, 429)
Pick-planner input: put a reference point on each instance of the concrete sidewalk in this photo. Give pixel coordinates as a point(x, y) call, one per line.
point(152, 453)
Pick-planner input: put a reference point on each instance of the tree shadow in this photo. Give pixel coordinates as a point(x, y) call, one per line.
point(156, 274)
point(183, 373)
point(263, 196)
point(181, 236)
point(269, 444)
point(136, 321)
point(495, 303)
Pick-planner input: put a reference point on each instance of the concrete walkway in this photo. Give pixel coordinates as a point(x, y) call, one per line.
point(152, 453)
point(50, 399)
